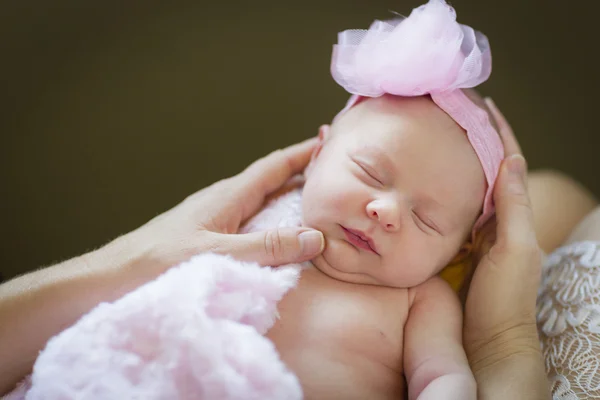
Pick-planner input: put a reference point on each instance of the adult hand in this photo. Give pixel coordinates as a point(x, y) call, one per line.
point(209, 219)
point(500, 334)
point(36, 306)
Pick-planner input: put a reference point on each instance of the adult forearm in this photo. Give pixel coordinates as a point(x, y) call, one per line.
point(38, 305)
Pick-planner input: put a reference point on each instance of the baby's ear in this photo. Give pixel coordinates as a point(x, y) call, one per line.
point(324, 132)
point(323, 137)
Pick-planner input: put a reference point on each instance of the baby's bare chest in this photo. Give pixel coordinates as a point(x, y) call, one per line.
point(330, 331)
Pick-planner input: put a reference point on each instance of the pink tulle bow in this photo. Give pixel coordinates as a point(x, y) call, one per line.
point(428, 52)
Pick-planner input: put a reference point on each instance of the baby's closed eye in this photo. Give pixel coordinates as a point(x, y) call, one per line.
point(424, 223)
point(369, 172)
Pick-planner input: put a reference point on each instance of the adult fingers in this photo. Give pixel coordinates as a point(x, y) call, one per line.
point(506, 278)
point(511, 145)
point(268, 174)
point(500, 307)
point(504, 285)
point(513, 207)
point(273, 247)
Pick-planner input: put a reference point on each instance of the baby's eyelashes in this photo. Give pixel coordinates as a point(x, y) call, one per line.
point(369, 172)
point(424, 223)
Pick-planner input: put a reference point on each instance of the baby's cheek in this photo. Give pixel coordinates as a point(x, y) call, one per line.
point(327, 190)
point(339, 200)
point(313, 205)
point(346, 194)
point(422, 263)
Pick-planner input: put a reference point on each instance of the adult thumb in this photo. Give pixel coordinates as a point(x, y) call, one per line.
point(513, 206)
point(276, 246)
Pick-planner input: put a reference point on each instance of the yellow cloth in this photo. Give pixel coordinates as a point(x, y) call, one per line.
point(456, 272)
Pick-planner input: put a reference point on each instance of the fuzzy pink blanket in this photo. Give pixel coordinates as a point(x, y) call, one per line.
point(196, 332)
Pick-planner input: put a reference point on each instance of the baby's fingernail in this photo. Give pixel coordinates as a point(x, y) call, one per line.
point(517, 165)
point(311, 243)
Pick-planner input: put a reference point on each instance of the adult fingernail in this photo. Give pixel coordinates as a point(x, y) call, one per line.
point(517, 165)
point(311, 243)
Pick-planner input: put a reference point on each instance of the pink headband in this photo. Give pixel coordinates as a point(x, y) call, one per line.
point(426, 53)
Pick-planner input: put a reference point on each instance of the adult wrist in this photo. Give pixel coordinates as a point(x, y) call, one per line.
point(509, 365)
point(519, 376)
point(128, 259)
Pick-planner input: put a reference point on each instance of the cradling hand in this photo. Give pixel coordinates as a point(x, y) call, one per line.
point(209, 219)
point(500, 334)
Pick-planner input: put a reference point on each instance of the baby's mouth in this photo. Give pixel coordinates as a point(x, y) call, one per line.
point(359, 239)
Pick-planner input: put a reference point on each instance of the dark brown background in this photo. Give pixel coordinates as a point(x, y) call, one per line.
point(113, 111)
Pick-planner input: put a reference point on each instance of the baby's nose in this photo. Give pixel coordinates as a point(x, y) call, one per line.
point(386, 212)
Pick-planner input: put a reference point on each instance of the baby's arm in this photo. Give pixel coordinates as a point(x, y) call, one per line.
point(435, 363)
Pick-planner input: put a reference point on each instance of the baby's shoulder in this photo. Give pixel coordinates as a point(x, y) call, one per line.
point(434, 289)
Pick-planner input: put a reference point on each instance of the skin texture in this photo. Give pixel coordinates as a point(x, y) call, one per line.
point(401, 171)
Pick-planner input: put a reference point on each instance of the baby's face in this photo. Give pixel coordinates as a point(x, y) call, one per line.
point(395, 187)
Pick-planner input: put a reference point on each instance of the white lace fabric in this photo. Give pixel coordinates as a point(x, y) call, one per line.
point(568, 315)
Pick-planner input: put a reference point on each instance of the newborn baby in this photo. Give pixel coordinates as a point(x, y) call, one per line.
point(397, 187)
point(372, 309)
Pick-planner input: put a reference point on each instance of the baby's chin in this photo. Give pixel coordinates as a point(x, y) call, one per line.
point(335, 268)
point(345, 264)
point(329, 269)
point(344, 276)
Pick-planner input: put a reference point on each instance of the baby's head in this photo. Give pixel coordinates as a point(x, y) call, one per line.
point(401, 173)
point(405, 173)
